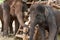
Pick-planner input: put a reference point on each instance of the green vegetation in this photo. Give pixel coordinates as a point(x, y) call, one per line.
point(58, 37)
point(1, 1)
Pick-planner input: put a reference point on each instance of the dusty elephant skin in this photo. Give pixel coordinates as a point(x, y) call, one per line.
point(17, 15)
point(45, 17)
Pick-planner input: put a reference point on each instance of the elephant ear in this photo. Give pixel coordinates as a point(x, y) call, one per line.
point(40, 8)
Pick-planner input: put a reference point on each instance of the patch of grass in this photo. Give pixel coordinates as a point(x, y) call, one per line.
point(1, 1)
point(58, 37)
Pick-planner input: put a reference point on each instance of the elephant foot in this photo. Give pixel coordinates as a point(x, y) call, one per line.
point(10, 35)
point(11, 32)
point(5, 33)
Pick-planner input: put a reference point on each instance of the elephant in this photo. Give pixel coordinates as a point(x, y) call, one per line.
point(17, 14)
point(44, 16)
point(1, 18)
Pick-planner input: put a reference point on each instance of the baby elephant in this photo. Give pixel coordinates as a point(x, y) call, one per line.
point(45, 18)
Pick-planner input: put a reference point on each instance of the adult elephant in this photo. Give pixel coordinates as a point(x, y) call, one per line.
point(18, 14)
point(45, 17)
point(1, 18)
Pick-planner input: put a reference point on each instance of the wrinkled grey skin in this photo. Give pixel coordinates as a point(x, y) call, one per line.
point(7, 16)
point(44, 17)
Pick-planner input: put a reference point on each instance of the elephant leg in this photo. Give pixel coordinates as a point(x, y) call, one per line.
point(16, 25)
point(6, 24)
point(55, 37)
point(52, 33)
point(52, 27)
point(6, 19)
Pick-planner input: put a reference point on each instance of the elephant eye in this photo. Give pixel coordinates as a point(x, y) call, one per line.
point(38, 16)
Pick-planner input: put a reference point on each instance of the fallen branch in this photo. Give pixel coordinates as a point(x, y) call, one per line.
point(56, 6)
point(41, 2)
point(45, 2)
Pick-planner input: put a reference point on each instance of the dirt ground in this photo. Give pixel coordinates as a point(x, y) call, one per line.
point(12, 38)
point(4, 38)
